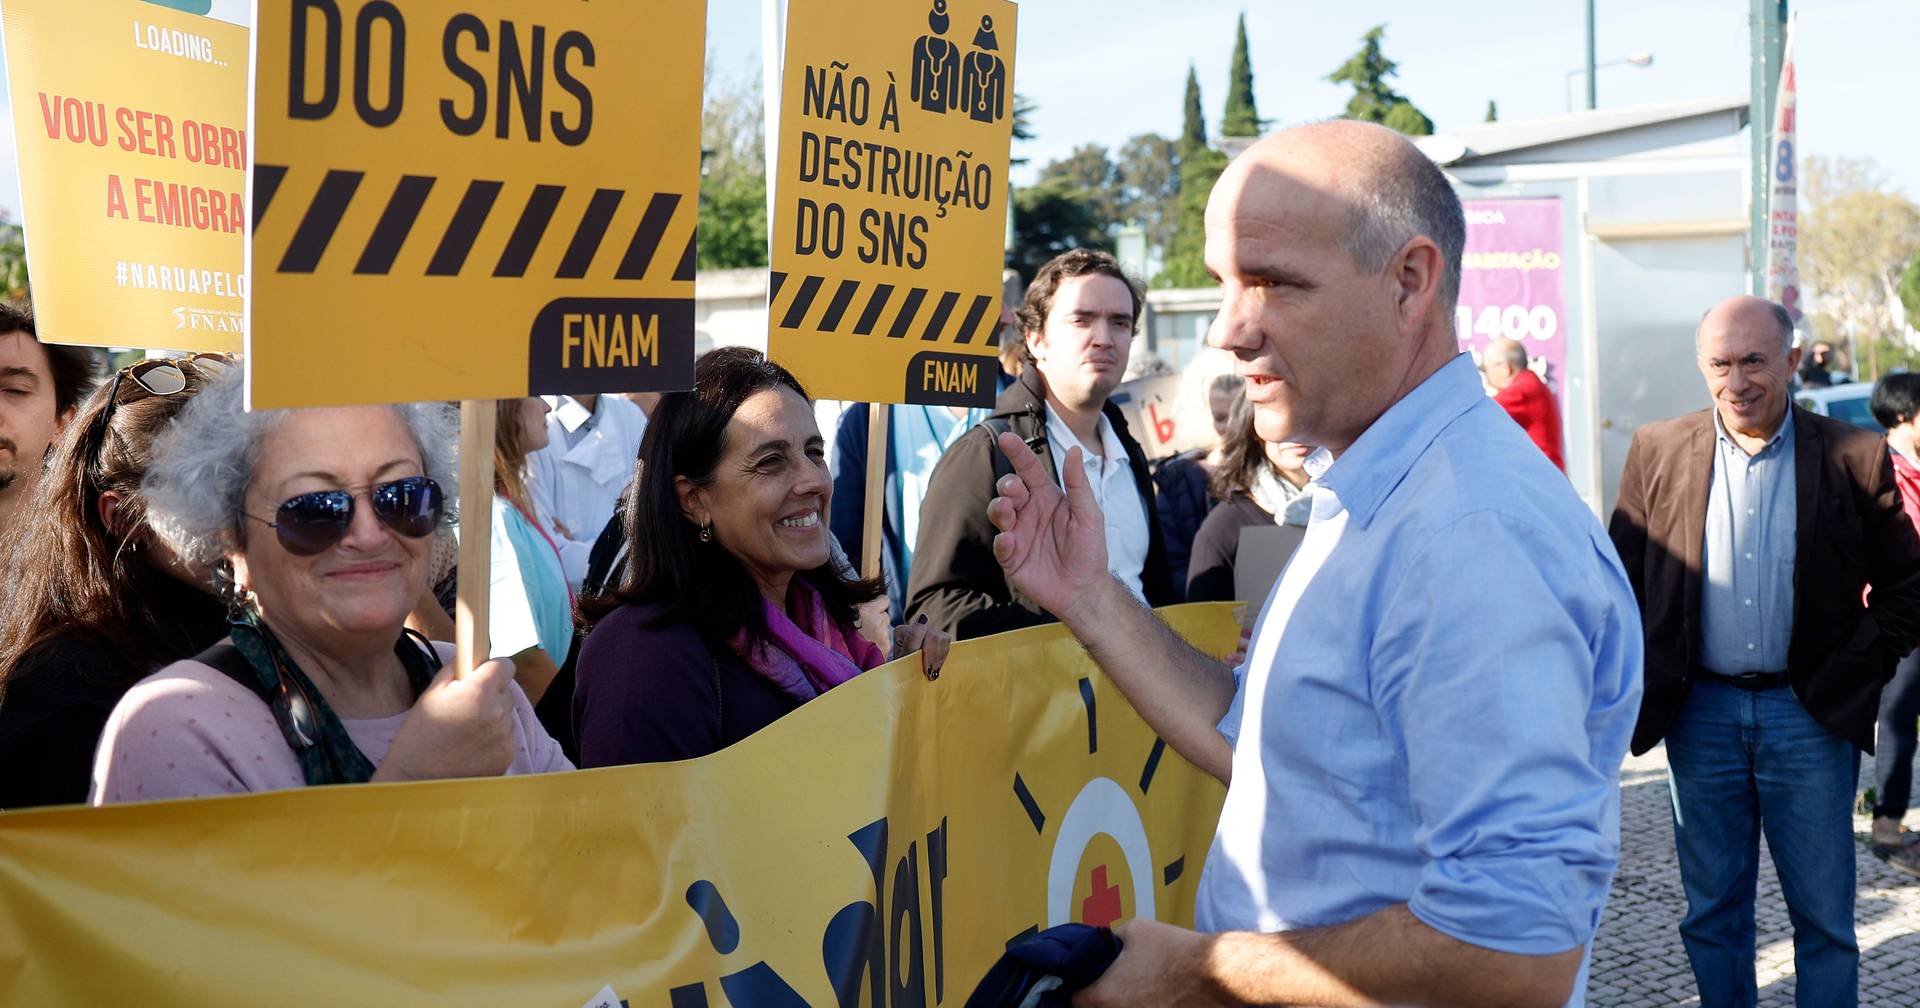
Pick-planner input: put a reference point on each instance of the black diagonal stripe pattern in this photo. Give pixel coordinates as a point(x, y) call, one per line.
point(388, 235)
point(266, 182)
point(871, 305)
point(809, 288)
point(528, 232)
point(325, 215)
point(646, 237)
point(593, 227)
point(468, 219)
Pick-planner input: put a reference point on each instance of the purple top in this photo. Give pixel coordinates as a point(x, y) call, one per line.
point(656, 694)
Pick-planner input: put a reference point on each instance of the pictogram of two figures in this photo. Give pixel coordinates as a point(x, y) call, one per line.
point(945, 81)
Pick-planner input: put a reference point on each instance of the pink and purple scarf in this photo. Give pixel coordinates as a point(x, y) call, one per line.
point(806, 652)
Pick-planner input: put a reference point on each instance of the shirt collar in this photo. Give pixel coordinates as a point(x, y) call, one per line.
point(1063, 436)
point(568, 411)
point(1368, 471)
point(1726, 439)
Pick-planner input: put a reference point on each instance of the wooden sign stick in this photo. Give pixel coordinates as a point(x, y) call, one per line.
point(878, 445)
point(476, 533)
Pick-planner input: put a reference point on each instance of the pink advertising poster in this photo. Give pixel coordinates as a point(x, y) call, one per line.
point(1512, 282)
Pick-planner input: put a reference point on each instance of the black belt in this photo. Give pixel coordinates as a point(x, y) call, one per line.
point(1753, 682)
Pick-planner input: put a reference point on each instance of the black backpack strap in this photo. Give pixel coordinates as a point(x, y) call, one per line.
point(1003, 424)
point(228, 659)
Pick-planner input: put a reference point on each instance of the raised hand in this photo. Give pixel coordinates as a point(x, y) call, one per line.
point(462, 726)
point(1052, 544)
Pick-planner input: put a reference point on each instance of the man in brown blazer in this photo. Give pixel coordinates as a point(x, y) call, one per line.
point(1750, 532)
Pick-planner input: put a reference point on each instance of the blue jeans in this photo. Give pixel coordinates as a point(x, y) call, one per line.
point(1746, 762)
point(1899, 728)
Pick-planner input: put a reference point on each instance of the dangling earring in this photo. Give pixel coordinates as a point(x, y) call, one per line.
point(706, 533)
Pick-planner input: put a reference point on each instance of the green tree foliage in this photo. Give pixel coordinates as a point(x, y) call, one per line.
point(1193, 123)
point(1242, 118)
point(1493, 111)
point(1088, 175)
point(1049, 219)
point(13, 261)
point(1147, 176)
point(1374, 100)
point(1185, 263)
point(733, 175)
point(1023, 110)
point(1910, 291)
point(1858, 236)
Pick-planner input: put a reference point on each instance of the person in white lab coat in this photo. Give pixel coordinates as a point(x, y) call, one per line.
point(593, 442)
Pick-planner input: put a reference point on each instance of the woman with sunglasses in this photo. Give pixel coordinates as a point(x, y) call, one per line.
point(319, 522)
point(95, 599)
point(731, 611)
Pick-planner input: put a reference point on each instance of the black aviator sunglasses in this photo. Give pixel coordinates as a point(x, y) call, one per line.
point(312, 523)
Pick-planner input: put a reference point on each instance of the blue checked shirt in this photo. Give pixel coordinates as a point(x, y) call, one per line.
point(1438, 695)
point(1746, 593)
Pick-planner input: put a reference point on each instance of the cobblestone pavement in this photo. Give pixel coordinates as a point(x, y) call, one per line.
point(1637, 957)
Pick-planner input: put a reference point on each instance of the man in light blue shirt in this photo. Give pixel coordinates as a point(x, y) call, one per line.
point(1417, 812)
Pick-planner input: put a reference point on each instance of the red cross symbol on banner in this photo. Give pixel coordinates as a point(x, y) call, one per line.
point(1102, 906)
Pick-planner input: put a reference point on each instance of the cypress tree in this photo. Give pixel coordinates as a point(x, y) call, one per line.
point(1242, 119)
point(1193, 126)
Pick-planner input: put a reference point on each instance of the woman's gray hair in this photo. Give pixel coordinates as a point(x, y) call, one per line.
point(204, 462)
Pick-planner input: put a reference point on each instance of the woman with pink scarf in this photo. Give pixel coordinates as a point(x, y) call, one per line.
point(730, 610)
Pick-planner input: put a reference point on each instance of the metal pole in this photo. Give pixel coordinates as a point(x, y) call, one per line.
point(1767, 31)
point(1593, 80)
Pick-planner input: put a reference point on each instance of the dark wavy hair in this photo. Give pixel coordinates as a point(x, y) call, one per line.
point(73, 573)
point(700, 584)
point(70, 367)
point(1069, 265)
point(1243, 454)
point(1896, 399)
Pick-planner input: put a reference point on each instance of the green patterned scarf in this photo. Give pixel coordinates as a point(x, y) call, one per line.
point(318, 739)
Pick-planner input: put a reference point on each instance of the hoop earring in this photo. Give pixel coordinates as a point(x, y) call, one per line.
point(706, 533)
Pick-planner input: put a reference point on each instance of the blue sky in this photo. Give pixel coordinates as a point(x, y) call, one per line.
point(1102, 72)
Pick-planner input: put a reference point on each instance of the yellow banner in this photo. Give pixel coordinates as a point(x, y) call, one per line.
point(473, 200)
point(129, 122)
point(891, 198)
point(877, 847)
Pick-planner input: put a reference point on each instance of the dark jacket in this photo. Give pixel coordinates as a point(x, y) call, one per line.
point(956, 583)
point(1850, 533)
point(848, 512)
point(1184, 499)
point(655, 694)
point(1217, 547)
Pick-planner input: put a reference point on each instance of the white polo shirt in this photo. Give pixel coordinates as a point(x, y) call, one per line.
point(1112, 481)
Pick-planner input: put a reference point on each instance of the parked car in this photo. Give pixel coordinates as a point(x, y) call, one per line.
point(1846, 402)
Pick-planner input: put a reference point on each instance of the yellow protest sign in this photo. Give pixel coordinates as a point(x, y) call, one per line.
point(890, 198)
point(472, 200)
point(129, 124)
point(878, 846)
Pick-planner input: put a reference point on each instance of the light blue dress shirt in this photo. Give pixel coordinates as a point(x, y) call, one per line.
point(1746, 591)
point(1439, 717)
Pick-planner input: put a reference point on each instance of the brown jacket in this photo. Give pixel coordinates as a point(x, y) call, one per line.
point(1850, 533)
point(955, 581)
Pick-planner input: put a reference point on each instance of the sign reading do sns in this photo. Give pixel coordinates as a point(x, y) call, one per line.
point(473, 199)
point(890, 210)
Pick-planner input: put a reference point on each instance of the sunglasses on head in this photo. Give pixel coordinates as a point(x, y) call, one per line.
point(158, 376)
point(313, 523)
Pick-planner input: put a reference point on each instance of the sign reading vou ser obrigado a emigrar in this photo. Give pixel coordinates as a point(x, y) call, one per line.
point(472, 199)
point(878, 847)
point(890, 198)
point(130, 133)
